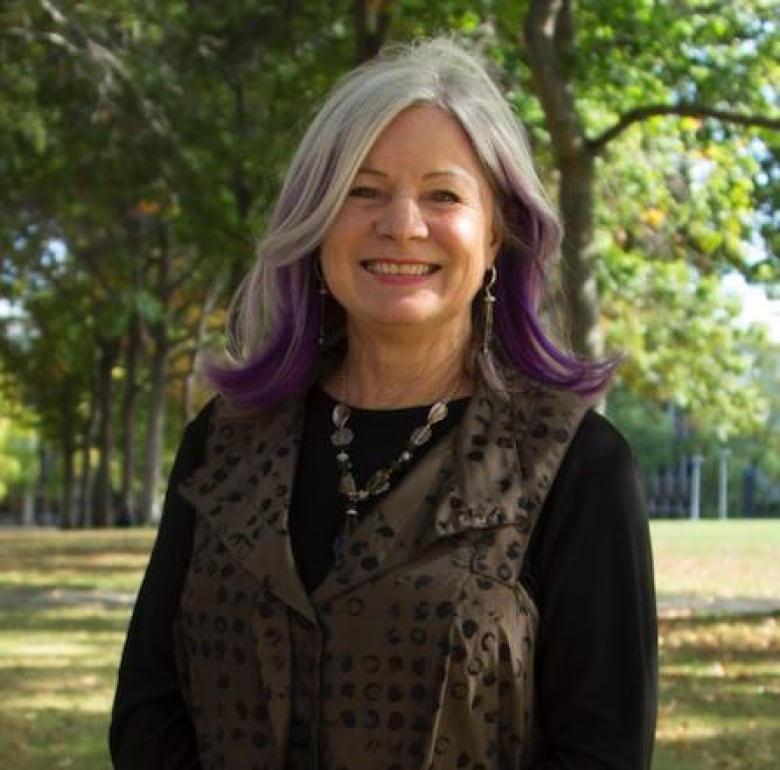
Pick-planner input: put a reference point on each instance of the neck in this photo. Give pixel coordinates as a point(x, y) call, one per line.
point(397, 373)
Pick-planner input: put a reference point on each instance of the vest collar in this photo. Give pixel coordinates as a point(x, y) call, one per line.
point(494, 469)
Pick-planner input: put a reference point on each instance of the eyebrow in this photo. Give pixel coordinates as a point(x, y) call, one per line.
point(454, 173)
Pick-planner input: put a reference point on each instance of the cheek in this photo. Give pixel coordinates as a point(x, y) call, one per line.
point(334, 250)
point(343, 235)
point(471, 234)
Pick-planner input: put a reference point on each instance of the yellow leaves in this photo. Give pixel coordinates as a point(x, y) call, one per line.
point(147, 208)
point(691, 124)
point(166, 209)
point(653, 217)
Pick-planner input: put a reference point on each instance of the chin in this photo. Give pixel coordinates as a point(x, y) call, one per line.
point(404, 317)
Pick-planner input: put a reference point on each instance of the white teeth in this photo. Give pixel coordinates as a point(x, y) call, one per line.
point(394, 268)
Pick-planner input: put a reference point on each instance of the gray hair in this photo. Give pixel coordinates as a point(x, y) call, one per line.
point(433, 71)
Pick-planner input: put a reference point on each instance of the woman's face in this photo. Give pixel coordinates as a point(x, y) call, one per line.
point(411, 244)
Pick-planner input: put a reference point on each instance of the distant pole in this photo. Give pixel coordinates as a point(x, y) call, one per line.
point(696, 463)
point(723, 483)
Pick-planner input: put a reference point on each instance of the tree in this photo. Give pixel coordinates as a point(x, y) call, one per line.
point(145, 142)
point(654, 70)
point(145, 121)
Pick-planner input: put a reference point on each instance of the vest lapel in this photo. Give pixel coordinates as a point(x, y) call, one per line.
point(243, 492)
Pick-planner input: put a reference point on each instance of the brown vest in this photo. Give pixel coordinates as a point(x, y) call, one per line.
point(417, 650)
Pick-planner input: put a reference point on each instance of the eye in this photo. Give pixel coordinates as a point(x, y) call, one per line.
point(445, 196)
point(363, 191)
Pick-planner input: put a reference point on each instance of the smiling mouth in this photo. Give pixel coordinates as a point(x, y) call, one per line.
point(399, 268)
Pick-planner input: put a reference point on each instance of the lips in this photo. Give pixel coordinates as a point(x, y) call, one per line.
point(399, 268)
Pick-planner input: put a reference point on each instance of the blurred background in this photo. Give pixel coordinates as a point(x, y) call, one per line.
point(141, 146)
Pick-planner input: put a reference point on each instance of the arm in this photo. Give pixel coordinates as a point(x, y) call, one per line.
point(590, 569)
point(150, 727)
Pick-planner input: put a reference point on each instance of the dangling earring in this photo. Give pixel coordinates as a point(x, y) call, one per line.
point(322, 290)
point(488, 301)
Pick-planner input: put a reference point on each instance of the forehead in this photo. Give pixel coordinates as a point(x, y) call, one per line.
point(425, 137)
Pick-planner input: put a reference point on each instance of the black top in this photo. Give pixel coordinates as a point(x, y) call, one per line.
point(588, 567)
point(317, 509)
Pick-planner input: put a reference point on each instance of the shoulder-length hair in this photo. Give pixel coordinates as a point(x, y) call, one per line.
point(274, 318)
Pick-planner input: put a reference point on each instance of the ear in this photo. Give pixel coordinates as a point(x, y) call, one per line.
point(494, 245)
point(496, 232)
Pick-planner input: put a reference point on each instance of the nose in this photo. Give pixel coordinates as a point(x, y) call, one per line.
point(401, 219)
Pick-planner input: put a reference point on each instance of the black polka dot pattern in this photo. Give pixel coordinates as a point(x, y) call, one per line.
point(417, 649)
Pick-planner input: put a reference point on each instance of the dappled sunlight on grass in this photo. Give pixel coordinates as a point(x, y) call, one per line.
point(720, 693)
point(65, 600)
point(111, 560)
point(57, 673)
point(53, 739)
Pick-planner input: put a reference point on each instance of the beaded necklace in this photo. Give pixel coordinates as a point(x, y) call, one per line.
point(380, 480)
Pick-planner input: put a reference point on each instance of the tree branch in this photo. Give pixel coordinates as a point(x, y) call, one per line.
point(76, 39)
point(640, 114)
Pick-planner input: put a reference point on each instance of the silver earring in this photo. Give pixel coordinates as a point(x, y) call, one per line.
point(322, 290)
point(488, 301)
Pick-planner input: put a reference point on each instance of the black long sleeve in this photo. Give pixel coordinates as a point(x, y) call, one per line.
point(590, 568)
point(150, 728)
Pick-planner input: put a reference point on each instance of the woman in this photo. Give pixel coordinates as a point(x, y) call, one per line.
point(399, 538)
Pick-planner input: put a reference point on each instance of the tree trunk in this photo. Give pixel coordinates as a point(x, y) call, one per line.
point(550, 40)
point(210, 300)
point(68, 442)
point(103, 497)
point(156, 423)
point(372, 20)
point(86, 509)
point(157, 385)
point(576, 190)
point(126, 512)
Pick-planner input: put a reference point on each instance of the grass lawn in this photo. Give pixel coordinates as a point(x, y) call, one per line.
point(720, 665)
point(65, 599)
point(64, 604)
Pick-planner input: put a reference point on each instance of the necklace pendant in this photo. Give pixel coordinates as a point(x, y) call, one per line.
point(342, 437)
point(378, 483)
point(421, 435)
point(437, 413)
point(340, 415)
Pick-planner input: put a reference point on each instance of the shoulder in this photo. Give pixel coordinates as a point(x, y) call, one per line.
point(540, 410)
point(598, 483)
point(200, 424)
point(598, 446)
point(191, 452)
point(596, 503)
point(197, 430)
point(222, 430)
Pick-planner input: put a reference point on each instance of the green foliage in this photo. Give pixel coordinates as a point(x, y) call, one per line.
point(132, 128)
point(636, 53)
point(18, 460)
point(683, 342)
